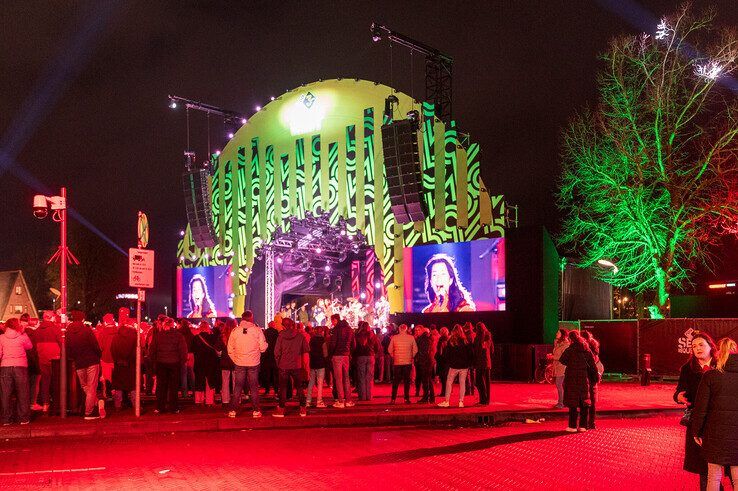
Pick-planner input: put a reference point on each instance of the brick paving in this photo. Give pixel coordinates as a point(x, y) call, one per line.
point(625, 454)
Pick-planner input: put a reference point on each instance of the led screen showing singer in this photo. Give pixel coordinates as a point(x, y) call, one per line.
point(445, 291)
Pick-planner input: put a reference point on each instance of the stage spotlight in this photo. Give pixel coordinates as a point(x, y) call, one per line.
point(181, 258)
point(318, 250)
point(258, 108)
point(217, 152)
point(230, 136)
point(271, 98)
point(343, 232)
point(233, 274)
point(181, 233)
point(279, 259)
point(377, 285)
point(193, 257)
point(362, 296)
point(243, 120)
point(326, 280)
point(327, 267)
point(173, 104)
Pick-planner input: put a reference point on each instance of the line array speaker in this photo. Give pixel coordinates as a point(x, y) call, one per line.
point(197, 202)
point(402, 164)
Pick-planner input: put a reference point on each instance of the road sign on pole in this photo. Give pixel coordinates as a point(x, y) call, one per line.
point(140, 276)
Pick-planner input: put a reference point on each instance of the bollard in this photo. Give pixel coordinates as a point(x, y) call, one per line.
point(646, 369)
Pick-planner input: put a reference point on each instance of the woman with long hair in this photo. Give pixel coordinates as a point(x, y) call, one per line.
point(701, 359)
point(443, 287)
point(201, 306)
point(594, 347)
point(715, 416)
point(441, 363)
point(367, 346)
point(318, 357)
point(559, 369)
point(226, 364)
point(459, 357)
point(580, 367)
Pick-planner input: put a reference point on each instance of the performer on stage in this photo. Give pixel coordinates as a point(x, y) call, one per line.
point(319, 313)
point(381, 312)
point(445, 291)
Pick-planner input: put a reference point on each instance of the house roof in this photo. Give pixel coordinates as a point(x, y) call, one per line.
point(7, 280)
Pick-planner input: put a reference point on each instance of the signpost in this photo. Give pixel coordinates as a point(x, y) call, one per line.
point(140, 276)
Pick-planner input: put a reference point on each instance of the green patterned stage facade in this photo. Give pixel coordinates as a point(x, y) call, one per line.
point(318, 148)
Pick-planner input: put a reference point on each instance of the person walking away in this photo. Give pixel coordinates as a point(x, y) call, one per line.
point(34, 370)
point(594, 347)
point(459, 356)
point(483, 349)
point(14, 372)
point(367, 346)
point(441, 363)
point(206, 364)
point(104, 335)
point(268, 365)
point(48, 345)
point(123, 353)
point(580, 366)
point(318, 356)
point(187, 370)
point(84, 350)
point(342, 343)
point(292, 355)
point(227, 366)
point(715, 416)
point(402, 348)
point(245, 347)
point(168, 355)
point(702, 358)
point(387, 370)
point(424, 362)
point(560, 344)
point(379, 358)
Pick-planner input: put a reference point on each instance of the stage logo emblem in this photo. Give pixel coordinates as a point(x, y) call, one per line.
point(685, 342)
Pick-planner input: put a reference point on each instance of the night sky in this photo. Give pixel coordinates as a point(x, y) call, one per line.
point(103, 127)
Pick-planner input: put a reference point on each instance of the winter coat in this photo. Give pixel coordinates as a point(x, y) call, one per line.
point(425, 358)
point(459, 356)
point(123, 354)
point(318, 352)
point(82, 346)
point(13, 346)
point(342, 341)
point(715, 414)
point(267, 358)
point(290, 347)
point(559, 368)
point(168, 347)
point(245, 348)
point(105, 336)
point(579, 363)
point(47, 338)
point(367, 344)
point(483, 349)
point(207, 361)
point(226, 363)
point(402, 349)
point(689, 381)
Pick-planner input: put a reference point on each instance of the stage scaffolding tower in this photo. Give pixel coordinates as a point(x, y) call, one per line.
point(268, 285)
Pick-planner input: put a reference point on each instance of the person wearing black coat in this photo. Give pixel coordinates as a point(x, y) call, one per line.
point(84, 350)
point(123, 351)
point(268, 365)
point(168, 354)
point(701, 359)
point(207, 365)
point(580, 370)
point(483, 349)
point(714, 421)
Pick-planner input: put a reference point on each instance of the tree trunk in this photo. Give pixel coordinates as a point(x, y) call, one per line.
point(659, 308)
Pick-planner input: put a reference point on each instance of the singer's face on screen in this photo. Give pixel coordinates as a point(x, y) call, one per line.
point(197, 292)
point(440, 279)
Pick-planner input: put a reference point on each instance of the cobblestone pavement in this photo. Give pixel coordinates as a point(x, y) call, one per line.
point(626, 454)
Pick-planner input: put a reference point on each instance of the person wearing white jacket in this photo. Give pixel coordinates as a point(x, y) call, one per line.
point(14, 371)
point(245, 346)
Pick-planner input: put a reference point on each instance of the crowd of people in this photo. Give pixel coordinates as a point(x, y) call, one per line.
point(237, 359)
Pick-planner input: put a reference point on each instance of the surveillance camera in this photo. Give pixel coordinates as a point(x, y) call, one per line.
point(40, 207)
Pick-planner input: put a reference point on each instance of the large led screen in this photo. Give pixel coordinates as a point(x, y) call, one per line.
point(204, 292)
point(455, 277)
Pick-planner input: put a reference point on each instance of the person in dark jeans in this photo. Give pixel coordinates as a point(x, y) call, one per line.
point(292, 354)
point(402, 349)
point(14, 372)
point(168, 355)
point(269, 371)
point(424, 361)
point(483, 349)
point(245, 346)
point(579, 364)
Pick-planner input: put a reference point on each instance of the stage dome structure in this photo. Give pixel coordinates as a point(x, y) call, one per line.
point(318, 148)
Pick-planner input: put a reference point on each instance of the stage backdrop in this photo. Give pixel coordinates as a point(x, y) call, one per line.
point(318, 147)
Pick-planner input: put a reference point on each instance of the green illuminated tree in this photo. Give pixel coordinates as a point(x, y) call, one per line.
point(650, 176)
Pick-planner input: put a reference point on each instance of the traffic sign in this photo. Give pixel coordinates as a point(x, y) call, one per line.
point(143, 230)
point(140, 268)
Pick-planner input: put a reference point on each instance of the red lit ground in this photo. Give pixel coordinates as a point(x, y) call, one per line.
point(625, 454)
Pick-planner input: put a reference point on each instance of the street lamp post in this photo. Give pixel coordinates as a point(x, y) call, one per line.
point(63, 254)
point(605, 263)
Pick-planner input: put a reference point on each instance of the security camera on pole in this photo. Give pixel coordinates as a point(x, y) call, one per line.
point(58, 205)
point(140, 276)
